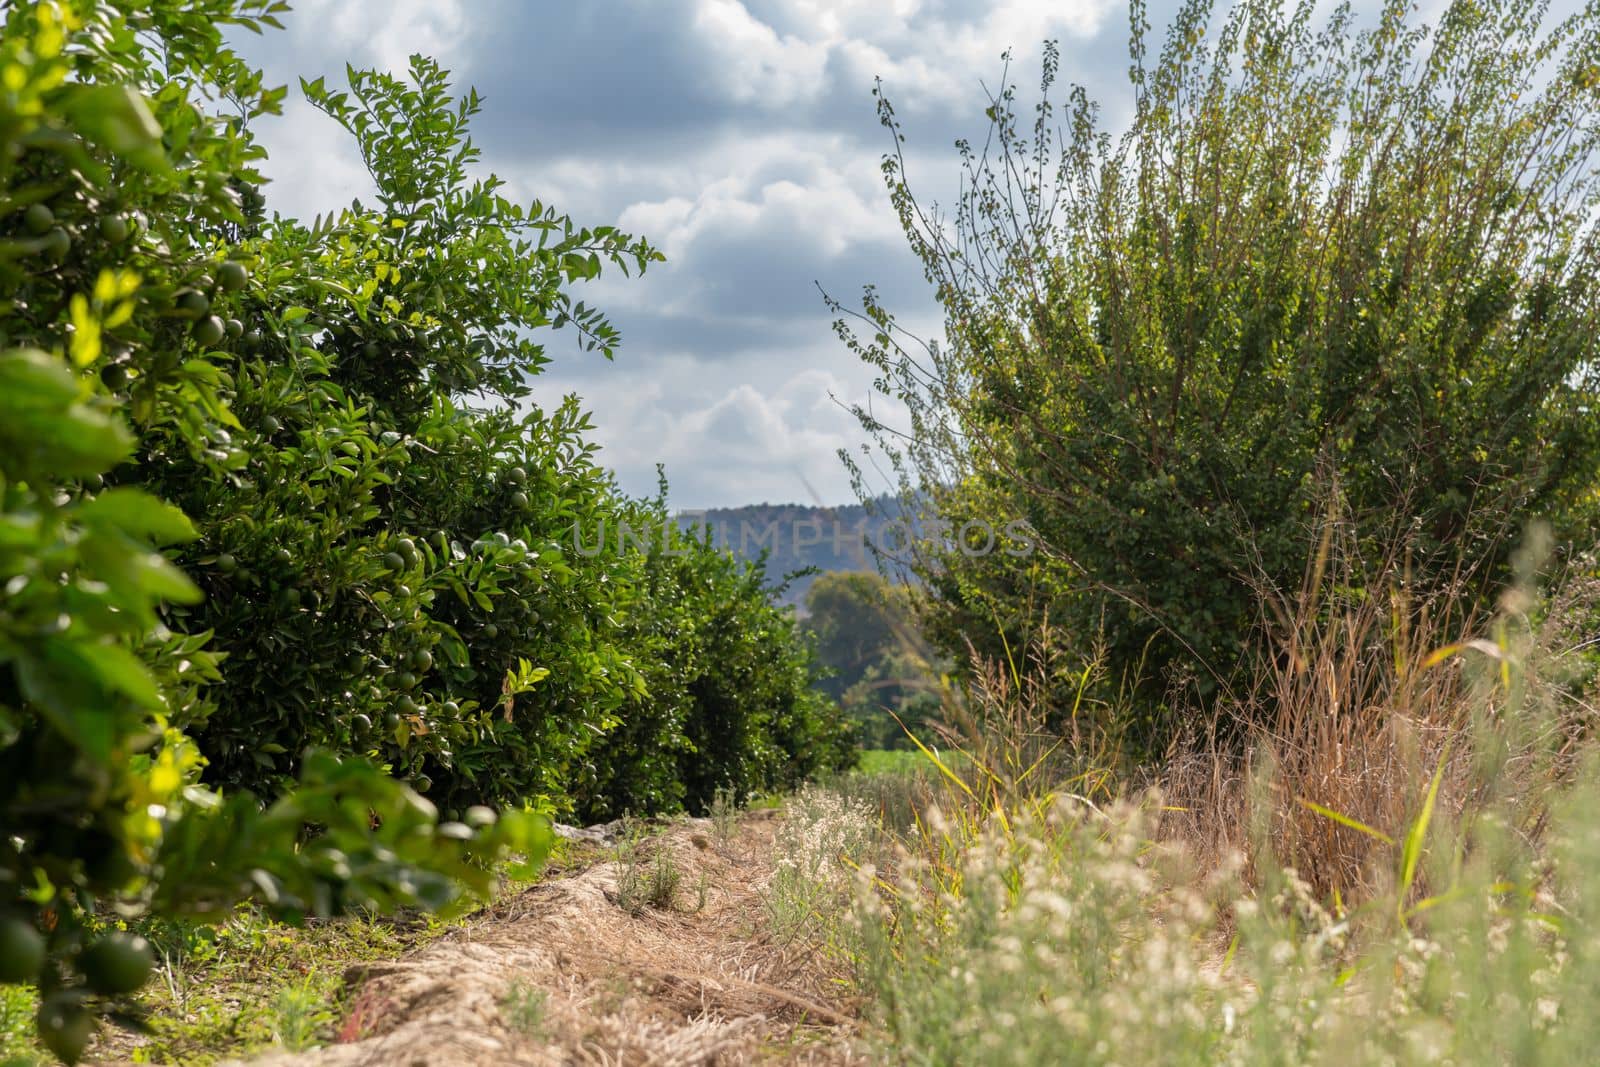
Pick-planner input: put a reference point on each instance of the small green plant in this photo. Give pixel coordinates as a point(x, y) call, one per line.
point(702, 892)
point(17, 1007)
point(648, 875)
point(522, 1006)
point(661, 891)
point(724, 818)
point(300, 1014)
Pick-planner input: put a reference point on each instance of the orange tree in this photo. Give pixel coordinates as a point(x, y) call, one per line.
point(734, 703)
point(120, 213)
point(385, 553)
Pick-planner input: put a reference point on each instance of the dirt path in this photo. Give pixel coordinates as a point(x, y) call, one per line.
point(562, 973)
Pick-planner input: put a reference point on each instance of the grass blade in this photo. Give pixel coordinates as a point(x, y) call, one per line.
point(1345, 820)
point(1411, 853)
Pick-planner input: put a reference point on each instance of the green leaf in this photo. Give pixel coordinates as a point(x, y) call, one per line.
point(455, 650)
point(72, 683)
point(44, 426)
point(138, 513)
point(118, 119)
point(31, 380)
point(1345, 820)
point(1411, 853)
point(119, 670)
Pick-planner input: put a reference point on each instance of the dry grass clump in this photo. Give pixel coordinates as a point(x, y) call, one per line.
point(1373, 707)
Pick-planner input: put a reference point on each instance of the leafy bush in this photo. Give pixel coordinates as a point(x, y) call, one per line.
point(1319, 263)
point(116, 210)
point(730, 703)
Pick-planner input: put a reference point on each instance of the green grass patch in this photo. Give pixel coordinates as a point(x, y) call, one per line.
point(891, 761)
point(252, 983)
point(236, 988)
point(17, 1047)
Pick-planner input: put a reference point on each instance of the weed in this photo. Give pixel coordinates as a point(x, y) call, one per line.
point(898, 796)
point(702, 892)
point(648, 875)
point(523, 1007)
point(823, 838)
point(724, 818)
point(300, 1013)
point(661, 891)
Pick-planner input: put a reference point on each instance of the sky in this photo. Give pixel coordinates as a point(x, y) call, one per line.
point(740, 138)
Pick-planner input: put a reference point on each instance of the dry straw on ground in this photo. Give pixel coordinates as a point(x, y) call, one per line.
point(562, 974)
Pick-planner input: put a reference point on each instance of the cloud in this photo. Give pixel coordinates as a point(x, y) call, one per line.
point(329, 173)
point(749, 245)
point(788, 53)
point(753, 63)
point(809, 187)
point(738, 135)
point(386, 36)
point(738, 440)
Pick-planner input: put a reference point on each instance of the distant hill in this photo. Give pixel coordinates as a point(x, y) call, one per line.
point(805, 535)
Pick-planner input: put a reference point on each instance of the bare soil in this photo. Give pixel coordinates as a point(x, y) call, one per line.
point(561, 973)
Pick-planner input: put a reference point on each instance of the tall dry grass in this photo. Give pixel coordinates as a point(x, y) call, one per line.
point(1369, 702)
point(1398, 865)
point(1012, 735)
point(1370, 705)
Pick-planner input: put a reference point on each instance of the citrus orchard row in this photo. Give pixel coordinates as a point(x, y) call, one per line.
point(285, 536)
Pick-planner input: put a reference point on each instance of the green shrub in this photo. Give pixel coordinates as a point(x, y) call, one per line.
point(1319, 263)
point(119, 196)
point(730, 704)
